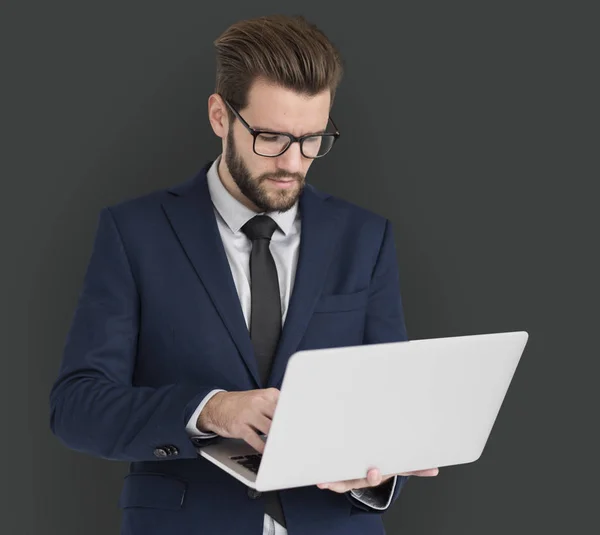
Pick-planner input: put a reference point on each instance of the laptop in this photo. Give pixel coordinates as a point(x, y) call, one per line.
point(398, 406)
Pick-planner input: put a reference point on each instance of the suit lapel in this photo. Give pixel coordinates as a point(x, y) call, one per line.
point(320, 230)
point(190, 212)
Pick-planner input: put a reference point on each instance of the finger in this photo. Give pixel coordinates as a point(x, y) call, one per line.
point(431, 472)
point(374, 477)
point(261, 423)
point(338, 486)
point(273, 393)
point(268, 411)
point(270, 404)
point(251, 438)
point(344, 486)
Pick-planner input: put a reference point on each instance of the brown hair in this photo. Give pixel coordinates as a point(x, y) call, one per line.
point(285, 50)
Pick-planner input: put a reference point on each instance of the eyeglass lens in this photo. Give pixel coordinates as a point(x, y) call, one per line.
point(273, 145)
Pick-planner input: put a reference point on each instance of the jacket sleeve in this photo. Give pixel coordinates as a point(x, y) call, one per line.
point(94, 407)
point(384, 323)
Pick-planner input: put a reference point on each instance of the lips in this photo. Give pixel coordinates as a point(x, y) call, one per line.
point(283, 184)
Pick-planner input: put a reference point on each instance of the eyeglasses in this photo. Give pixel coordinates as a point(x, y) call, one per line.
point(272, 144)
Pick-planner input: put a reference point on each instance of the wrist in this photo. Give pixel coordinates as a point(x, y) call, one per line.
point(205, 422)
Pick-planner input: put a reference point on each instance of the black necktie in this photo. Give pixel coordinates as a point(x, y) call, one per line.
point(265, 315)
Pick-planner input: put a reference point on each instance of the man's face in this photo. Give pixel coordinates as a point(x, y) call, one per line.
point(279, 110)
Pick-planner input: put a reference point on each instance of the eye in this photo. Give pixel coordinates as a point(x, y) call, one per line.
point(313, 139)
point(271, 138)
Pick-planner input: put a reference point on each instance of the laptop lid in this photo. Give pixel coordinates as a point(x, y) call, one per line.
point(398, 406)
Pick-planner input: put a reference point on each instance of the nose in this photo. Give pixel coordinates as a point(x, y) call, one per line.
point(292, 160)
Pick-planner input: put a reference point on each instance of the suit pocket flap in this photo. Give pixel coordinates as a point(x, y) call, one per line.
point(159, 491)
point(342, 302)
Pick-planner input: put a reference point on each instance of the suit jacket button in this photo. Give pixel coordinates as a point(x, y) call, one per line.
point(160, 452)
point(172, 450)
point(253, 493)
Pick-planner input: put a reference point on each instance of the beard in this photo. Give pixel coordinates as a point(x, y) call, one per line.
point(254, 189)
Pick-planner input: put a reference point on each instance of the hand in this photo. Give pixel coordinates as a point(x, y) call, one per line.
point(240, 415)
point(373, 479)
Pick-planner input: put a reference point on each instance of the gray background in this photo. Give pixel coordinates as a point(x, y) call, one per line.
point(475, 130)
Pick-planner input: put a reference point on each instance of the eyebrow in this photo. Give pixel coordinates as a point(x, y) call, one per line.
point(273, 131)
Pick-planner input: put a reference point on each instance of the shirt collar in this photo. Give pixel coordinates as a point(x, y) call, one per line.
point(234, 213)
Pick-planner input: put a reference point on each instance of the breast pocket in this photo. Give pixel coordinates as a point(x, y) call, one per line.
point(342, 302)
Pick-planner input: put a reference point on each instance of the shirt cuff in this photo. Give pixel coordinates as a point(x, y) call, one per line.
point(191, 427)
point(379, 497)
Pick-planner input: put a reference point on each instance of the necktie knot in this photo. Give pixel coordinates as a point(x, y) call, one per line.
point(260, 226)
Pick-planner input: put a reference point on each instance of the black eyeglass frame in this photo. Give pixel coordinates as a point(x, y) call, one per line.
point(255, 133)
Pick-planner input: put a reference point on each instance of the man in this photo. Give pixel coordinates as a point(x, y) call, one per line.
point(196, 296)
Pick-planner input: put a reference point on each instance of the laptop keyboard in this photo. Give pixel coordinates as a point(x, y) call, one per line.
point(251, 462)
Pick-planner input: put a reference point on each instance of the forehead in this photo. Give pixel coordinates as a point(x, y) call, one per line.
point(272, 107)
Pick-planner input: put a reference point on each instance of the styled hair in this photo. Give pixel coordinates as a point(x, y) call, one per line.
point(287, 51)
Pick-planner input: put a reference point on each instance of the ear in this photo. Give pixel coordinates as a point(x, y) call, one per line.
point(217, 115)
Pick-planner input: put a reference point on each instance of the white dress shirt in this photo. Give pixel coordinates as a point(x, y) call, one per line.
point(231, 216)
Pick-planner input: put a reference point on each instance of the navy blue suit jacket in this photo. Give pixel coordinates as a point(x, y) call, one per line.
point(158, 325)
